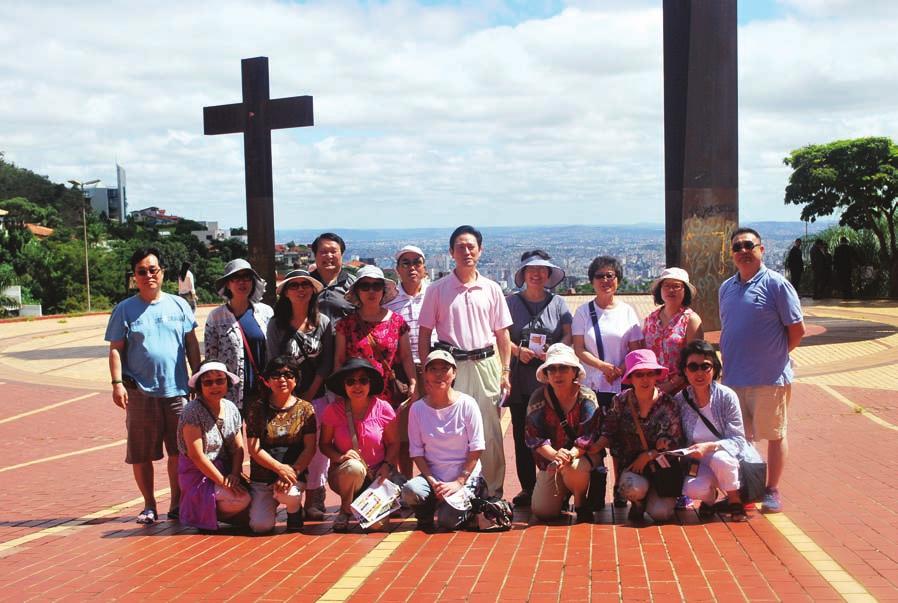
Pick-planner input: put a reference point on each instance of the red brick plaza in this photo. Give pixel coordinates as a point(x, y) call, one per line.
point(68, 502)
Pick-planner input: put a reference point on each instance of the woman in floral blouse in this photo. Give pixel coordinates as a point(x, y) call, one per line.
point(374, 333)
point(563, 464)
point(647, 409)
point(672, 325)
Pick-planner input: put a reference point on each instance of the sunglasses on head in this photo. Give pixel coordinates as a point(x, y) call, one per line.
point(281, 375)
point(370, 286)
point(151, 271)
point(357, 380)
point(746, 245)
point(694, 367)
point(212, 382)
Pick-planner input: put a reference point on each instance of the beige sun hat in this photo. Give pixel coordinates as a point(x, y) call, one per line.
point(212, 366)
point(560, 354)
point(673, 273)
point(372, 272)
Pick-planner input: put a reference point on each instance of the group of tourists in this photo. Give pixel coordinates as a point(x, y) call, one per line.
point(354, 378)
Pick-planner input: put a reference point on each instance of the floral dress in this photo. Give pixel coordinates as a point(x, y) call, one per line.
point(378, 343)
point(667, 340)
point(662, 423)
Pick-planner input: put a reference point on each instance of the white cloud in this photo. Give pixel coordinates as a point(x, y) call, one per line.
point(423, 114)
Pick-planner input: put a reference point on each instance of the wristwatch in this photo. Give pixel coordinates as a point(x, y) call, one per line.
point(115, 381)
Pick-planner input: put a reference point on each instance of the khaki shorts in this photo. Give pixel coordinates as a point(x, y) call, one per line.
point(151, 422)
point(764, 410)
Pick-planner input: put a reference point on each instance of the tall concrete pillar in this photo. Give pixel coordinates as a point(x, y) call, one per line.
point(701, 166)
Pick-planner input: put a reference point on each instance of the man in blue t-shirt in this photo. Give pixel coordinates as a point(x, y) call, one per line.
point(150, 336)
point(761, 322)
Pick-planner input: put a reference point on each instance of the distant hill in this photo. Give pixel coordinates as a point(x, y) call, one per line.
point(40, 190)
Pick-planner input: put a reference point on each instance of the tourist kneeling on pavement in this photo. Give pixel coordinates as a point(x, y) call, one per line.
point(562, 419)
point(281, 433)
point(445, 432)
point(212, 451)
point(642, 423)
point(712, 424)
point(358, 434)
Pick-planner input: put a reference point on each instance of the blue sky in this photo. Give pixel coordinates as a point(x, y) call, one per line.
point(505, 113)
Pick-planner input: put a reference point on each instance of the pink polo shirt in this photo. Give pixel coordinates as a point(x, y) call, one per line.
point(465, 315)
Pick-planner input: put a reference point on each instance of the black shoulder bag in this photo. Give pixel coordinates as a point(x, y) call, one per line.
point(666, 481)
point(752, 476)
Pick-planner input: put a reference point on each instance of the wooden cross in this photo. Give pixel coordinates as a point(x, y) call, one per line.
point(256, 117)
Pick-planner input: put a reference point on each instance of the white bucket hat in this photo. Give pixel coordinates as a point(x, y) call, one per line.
point(560, 354)
point(409, 249)
point(676, 274)
point(232, 268)
point(300, 275)
point(372, 272)
point(556, 274)
point(212, 366)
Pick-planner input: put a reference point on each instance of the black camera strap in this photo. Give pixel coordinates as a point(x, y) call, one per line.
point(562, 417)
point(704, 419)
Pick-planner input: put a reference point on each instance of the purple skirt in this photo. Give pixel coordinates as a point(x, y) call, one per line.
point(197, 507)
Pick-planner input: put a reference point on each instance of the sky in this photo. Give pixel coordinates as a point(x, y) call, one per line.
point(428, 113)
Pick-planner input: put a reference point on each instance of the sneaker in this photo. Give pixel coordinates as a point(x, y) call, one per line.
point(683, 502)
point(294, 521)
point(314, 505)
point(522, 499)
point(771, 502)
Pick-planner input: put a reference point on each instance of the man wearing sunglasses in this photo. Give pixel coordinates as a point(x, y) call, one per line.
point(151, 338)
point(761, 322)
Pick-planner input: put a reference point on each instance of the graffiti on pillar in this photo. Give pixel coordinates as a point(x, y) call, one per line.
point(706, 256)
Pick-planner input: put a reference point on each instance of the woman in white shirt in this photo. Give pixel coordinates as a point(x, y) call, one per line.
point(186, 285)
point(445, 432)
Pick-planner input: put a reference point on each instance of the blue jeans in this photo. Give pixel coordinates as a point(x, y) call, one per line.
point(419, 496)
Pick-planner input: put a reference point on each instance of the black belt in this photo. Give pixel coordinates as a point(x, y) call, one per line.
point(460, 354)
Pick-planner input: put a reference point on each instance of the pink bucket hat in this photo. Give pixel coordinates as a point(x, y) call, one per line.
point(643, 360)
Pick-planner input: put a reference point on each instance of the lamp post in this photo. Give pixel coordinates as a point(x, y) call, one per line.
point(80, 186)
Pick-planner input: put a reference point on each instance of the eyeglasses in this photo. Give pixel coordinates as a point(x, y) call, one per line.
point(213, 382)
point(286, 375)
point(604, 276)
point(694, 367)
point(672, 286)
point(350, 381)
point(242, 276)
point(558, 368)
point(303, 284)
point(411, 263)
point(151, 271)
point(644, 374)
point(370, 286)
point(743, 245)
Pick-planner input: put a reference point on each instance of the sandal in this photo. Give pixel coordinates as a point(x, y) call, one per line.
point(341, 523)
point(174, 513)
point(737, 512)
point(147, 516)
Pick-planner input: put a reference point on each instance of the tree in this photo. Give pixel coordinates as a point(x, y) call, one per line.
point(858, 177)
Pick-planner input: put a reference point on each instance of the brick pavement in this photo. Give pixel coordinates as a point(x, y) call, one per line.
point(837, 490)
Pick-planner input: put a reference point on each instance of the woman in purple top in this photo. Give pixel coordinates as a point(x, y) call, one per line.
point(364, 449)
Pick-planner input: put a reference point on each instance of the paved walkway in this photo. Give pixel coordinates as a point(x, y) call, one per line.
point(67, 503)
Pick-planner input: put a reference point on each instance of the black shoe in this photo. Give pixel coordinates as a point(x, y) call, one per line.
point(619, 501)
point(706, 511)
point(174, 513)
point(294, 521)
point(428, 527)
point(584, 515)
point(737, 512)
point(522, 499)
point(636, 514)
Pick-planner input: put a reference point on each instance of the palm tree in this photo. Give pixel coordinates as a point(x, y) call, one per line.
point(7, 302)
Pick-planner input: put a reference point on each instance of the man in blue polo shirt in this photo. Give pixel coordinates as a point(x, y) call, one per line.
point(761, 322)
point(151, 338)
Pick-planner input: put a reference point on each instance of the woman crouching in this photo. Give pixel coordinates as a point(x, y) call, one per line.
point(712, 424)
point(280, 432)
point(562, 419)
point(445, 433)
point(212, 451)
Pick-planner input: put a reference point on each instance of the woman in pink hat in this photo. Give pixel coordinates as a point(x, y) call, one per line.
point(672, 325)
point(642, 423)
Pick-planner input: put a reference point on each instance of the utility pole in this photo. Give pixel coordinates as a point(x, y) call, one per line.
point(80, 186)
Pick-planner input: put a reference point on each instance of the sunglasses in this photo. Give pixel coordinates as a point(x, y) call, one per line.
point(299, 285)
point(558, 368)
point(694, 367)
point(370, 286)
point(242, 276)
point(644, 374)
point(287, 375)
point(743, 245)
point(672, 286)
point(604, 276)
point(410, 263)
point(213, 382)
point(350, 381)
point(151, 271)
